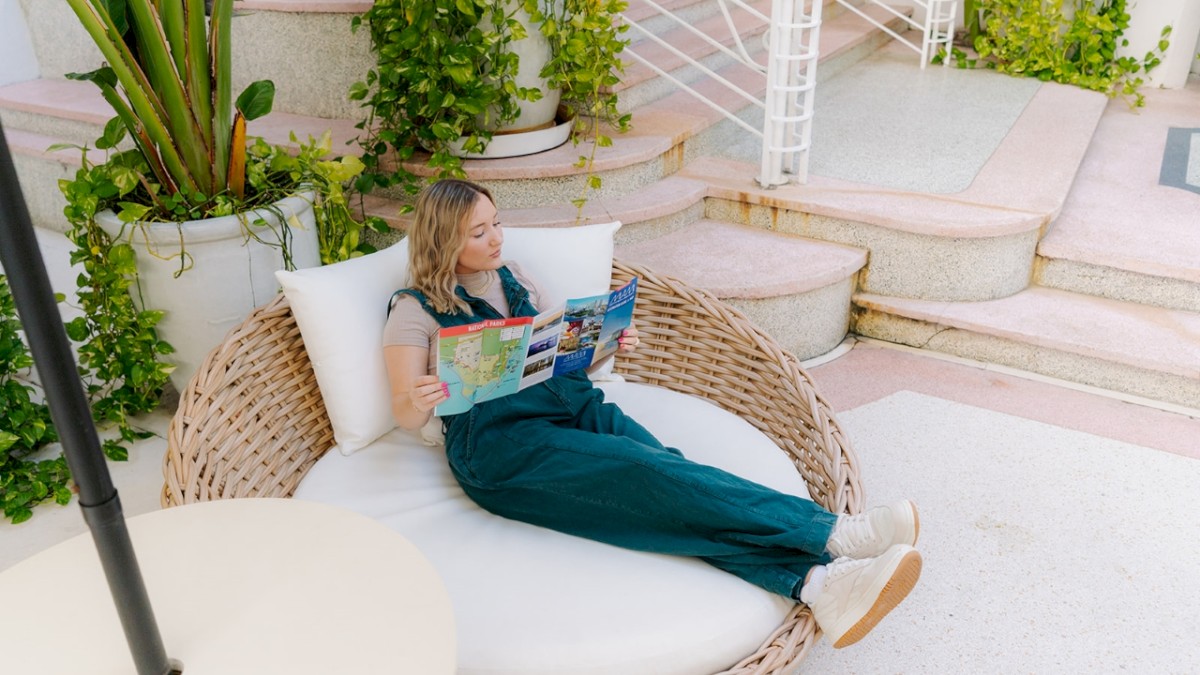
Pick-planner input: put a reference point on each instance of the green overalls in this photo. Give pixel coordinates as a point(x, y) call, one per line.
point(556, 455)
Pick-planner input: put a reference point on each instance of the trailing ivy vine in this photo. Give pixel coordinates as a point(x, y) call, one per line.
point(444, 72)
point(585, 43)
point(121, 357)
point(25, 427)
point(1037, 38)
point(120, 354)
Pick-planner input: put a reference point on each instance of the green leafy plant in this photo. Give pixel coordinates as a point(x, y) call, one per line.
point(585, 63)
point(331, 180)
point(444, 72)
point(120, 354)
point(168, 79)
point(1036, 38)
point(25, 427)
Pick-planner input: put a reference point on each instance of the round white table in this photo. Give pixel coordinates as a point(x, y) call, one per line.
point(238, 586)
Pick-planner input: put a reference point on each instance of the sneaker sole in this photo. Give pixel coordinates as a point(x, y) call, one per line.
point(916, 524)
point(896, 589)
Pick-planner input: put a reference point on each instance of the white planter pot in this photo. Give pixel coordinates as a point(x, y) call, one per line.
point(518, 143)
point(533, 52)
point(231, 272)
point(1146, 21)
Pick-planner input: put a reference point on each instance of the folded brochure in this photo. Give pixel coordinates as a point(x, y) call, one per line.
point(494, 358)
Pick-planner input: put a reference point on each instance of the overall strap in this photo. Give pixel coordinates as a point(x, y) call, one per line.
point(516, 295)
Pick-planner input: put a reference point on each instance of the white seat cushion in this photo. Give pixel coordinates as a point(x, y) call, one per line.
point(530, 601)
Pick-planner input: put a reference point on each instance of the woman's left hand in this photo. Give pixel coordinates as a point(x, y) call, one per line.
point(629, 340)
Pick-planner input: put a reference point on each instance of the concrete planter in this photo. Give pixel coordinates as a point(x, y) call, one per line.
point(518, 143)
point(536, 128)
point(1146, 21)
point(233, 264)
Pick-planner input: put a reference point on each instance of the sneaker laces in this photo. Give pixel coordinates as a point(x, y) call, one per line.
point(853, 533)
point(842, 567)
point(836, 570)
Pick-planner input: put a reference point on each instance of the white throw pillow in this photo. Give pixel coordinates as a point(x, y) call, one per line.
point(341, 310)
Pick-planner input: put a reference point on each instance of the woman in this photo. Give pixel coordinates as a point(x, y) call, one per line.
point(555, 455)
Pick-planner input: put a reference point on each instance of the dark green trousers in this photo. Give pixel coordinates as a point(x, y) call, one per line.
point(558, 456)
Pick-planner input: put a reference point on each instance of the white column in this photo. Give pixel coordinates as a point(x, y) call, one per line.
point(17, 62)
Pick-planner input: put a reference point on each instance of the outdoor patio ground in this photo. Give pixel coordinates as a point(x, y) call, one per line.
point(1058, 525)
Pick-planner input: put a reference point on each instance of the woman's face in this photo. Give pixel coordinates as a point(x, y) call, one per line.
point(482, 239)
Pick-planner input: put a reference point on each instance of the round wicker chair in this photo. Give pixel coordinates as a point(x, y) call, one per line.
point(251, 422)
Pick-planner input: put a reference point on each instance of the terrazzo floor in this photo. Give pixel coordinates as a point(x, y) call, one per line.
point(882, 122)
point(1057, 524)
point(1046, 549)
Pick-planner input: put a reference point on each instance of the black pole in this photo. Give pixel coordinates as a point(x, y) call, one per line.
point(72, 416)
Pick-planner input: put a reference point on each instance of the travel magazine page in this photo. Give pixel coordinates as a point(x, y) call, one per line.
point(495, 358)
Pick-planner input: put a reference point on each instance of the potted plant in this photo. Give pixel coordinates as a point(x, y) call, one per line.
point(1083, 45)
point(451, 74)
point(178, 235)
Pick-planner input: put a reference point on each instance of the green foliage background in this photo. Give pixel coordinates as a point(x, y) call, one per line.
point(25, 427)
point(1039, 38)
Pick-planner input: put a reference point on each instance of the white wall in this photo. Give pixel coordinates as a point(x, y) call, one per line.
point(17, 62)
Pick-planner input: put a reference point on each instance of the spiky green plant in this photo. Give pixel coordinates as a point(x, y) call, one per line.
point(168, 78)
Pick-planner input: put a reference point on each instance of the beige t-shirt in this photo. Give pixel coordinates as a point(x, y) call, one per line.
point(410, 325)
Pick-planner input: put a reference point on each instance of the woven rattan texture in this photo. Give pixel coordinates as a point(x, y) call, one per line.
point(251, 422)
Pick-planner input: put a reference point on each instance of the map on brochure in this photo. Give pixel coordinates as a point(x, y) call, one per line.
point(483, 363)
point(494, 358)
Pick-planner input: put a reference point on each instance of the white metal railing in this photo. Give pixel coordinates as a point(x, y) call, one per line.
point(790, 72)
point(936, 25)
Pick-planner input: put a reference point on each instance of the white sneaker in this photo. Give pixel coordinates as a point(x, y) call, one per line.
point(872, 532)
point(858, 593)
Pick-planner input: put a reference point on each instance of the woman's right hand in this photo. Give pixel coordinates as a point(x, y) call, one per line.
point(427, 392)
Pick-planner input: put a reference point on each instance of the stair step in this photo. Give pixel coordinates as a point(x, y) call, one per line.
point(796, 289)
point(72, 111)
point(1123, 233)
point(977, 244)
point(302, 6)
point(748, 26)
point(1146, 281)
point(39, 171)
point(1121, 346)
point(736, 261)
point(840, 35)
point(653, 20)
point(664, 203)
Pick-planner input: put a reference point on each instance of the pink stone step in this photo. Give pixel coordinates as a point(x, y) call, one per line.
point(66, 99)
point(735, 261)
point(1150, 338)
point(301, 6)
point(1118, 215)
point(747, 25)
point(82, 102)
point(657, 200)
point(30, 144)
point(640, 10)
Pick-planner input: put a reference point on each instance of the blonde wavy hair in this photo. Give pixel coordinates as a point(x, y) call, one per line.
point(437, 237)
